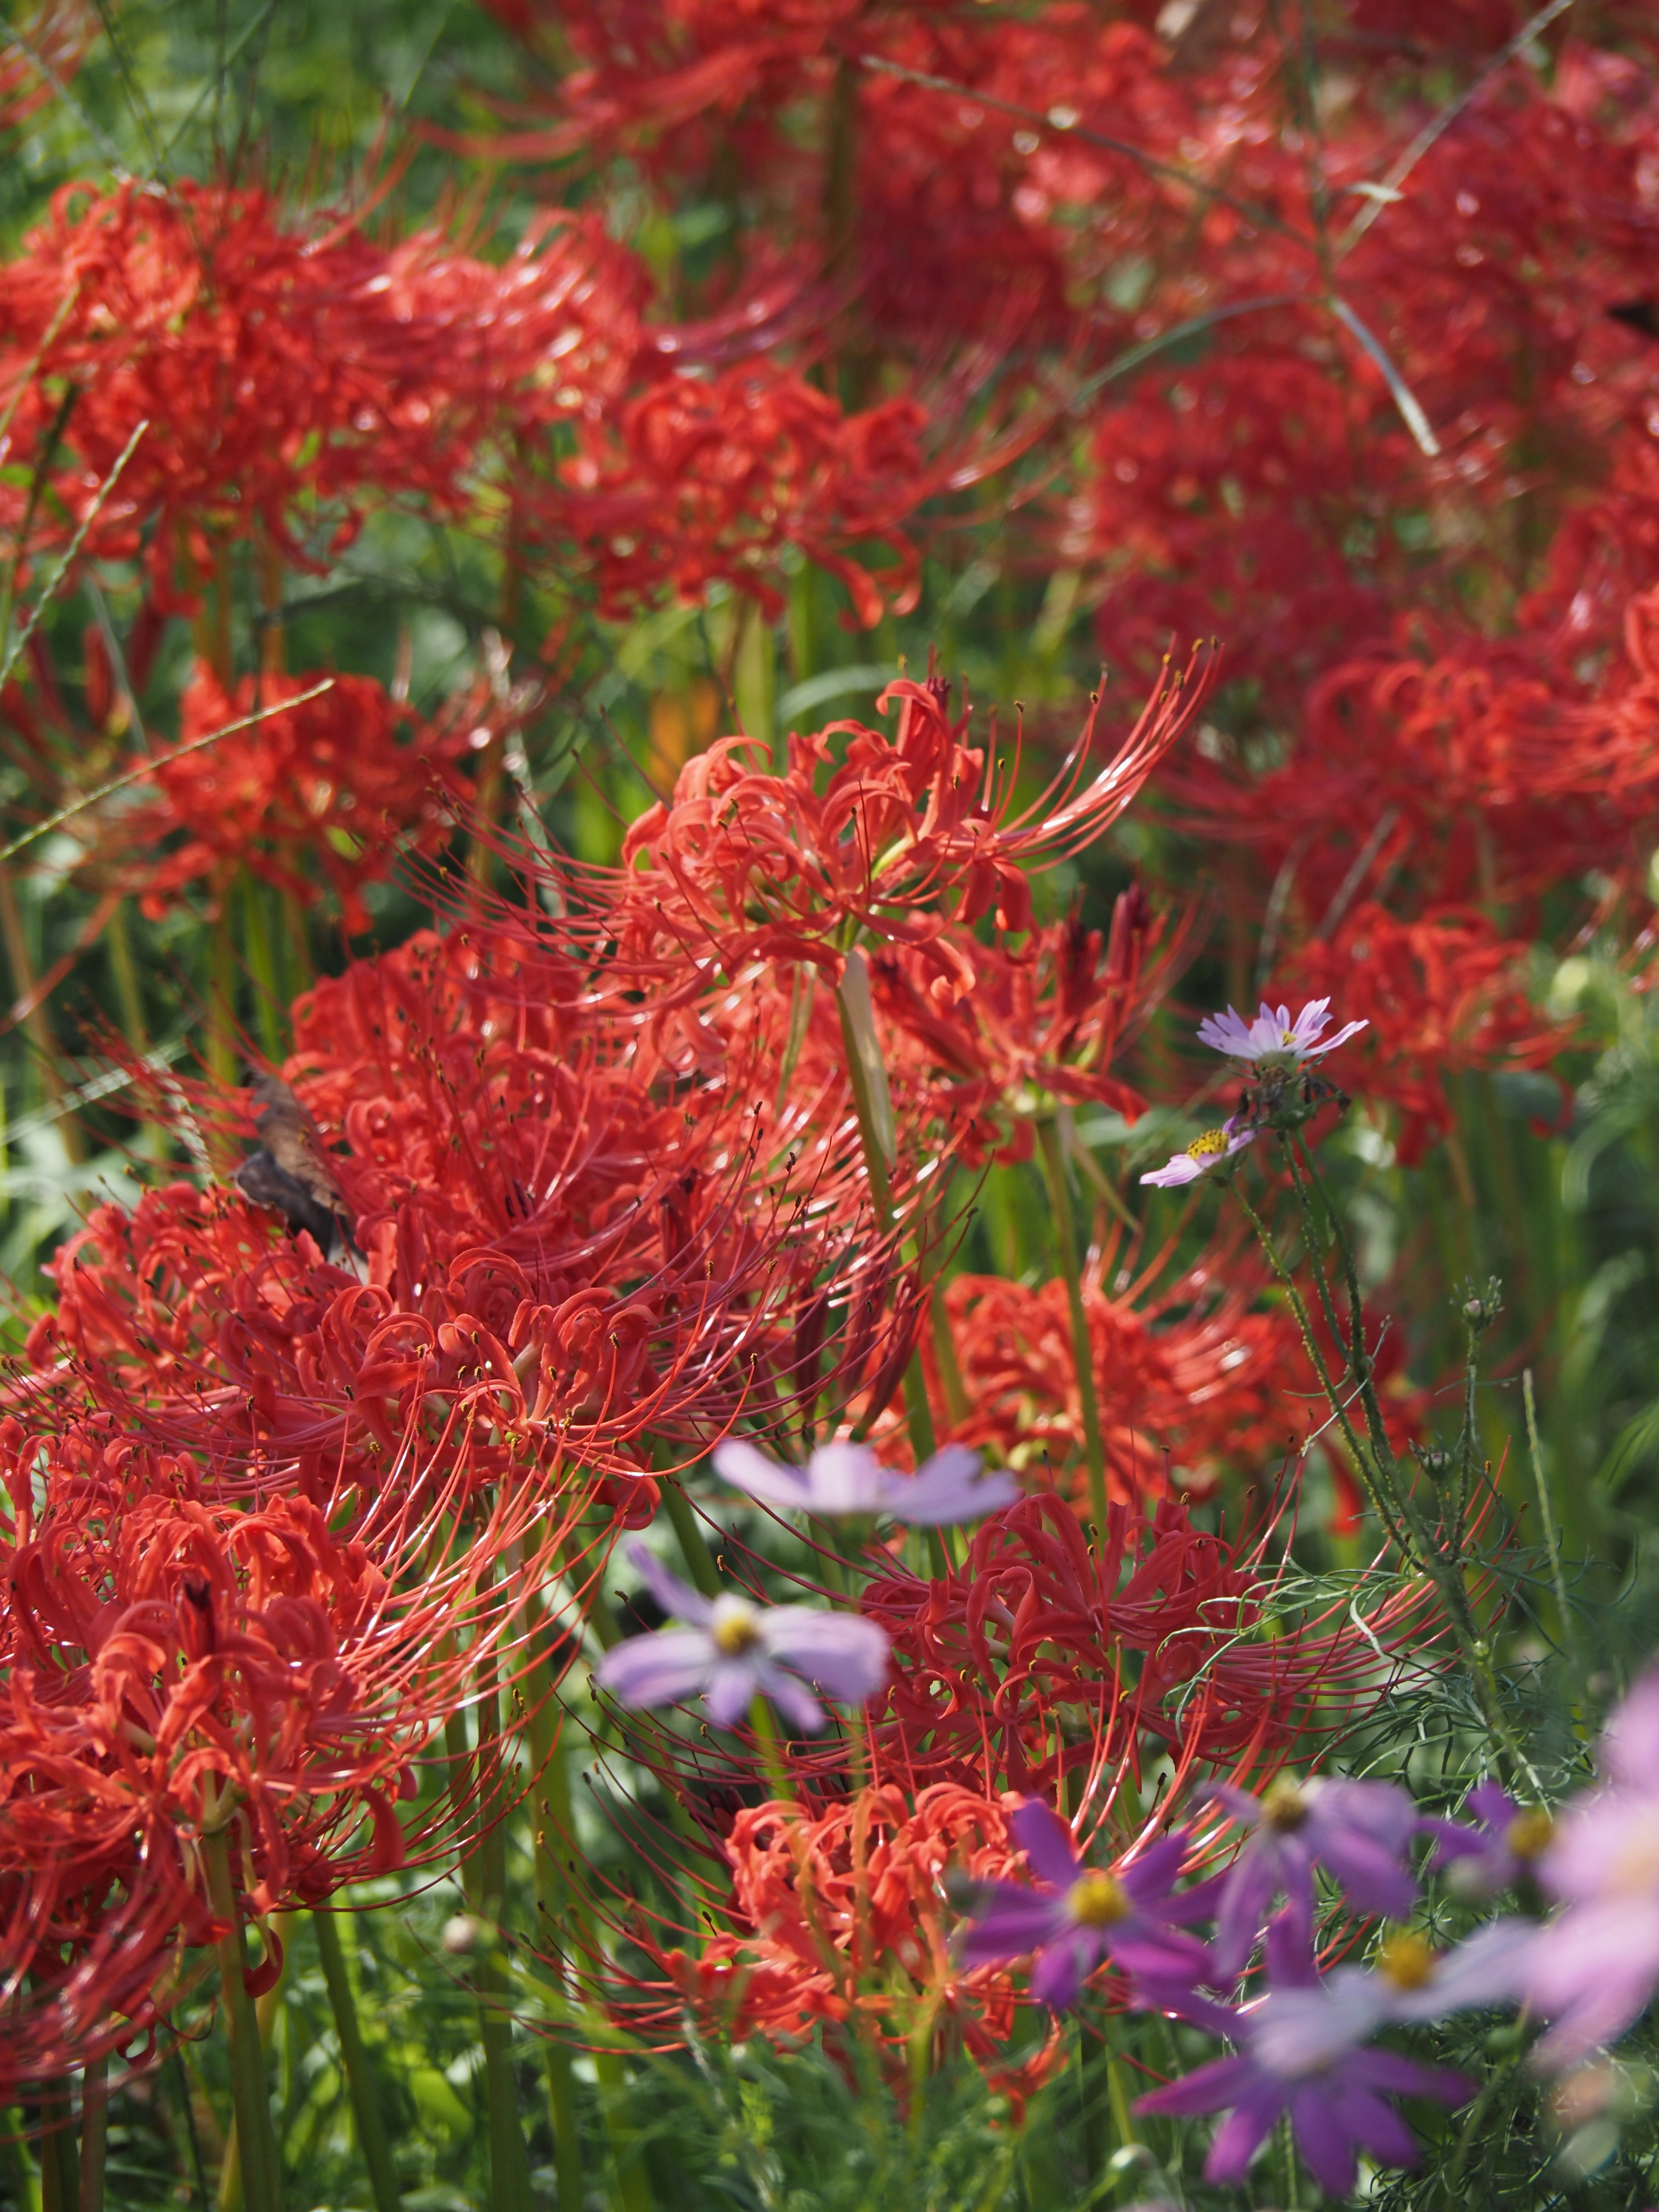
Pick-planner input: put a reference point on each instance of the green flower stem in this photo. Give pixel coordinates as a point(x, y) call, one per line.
point(359, 2066)
point(919, 1413)
point(268, 1001)
point(255, 2143)
point(1083, 1357)
point(484, 1885)
point(769, 1745)
point(553, 1819)
point(95, 2135)
point(633, 2184)
point(222, 1054)
point(688, 1531)
point(60, 2187)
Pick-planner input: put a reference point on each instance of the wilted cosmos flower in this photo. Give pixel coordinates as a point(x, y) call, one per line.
point(1211, 1149)
point(848, 1479)
point(1360, 1831)
point(1298, 2052)
point(733, 1651)
point(1082, 1914)
point(1273, 1039)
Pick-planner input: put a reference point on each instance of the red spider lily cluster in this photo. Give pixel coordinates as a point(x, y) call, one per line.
point(319, 1462)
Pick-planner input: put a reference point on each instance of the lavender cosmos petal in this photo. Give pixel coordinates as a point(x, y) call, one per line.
point(1246, 1894)
point(658, 1669)
point(1242, 2133)
point(1227, 1033)
point(949, 1488)
point(1150, 1878)
point(1611, 1827)
point(793, 1698)
point(1322, 2138)
point(1184, 1906)
point(1452, 1841)
point(676, 1598)
point(843, 1652)
point(1401, 2076)
point(1182, 1169)
point(1317, 1051)
point(1629, 1748)
point(1374, 2125)
point(1057, 1975)
point(1244, 1808)
point(1592, 1972)
point(1308, 1022)
point(1490, 1803)
point(1289, 1948)
point(1013, 1922)
point(845, 1479)
point(1492, 1967)
point(1376, 1810)
point(1159, 1958)
point(1372, 1877)
point(747, 1469)
point(1047, 1843)
point(1206, 2090)
point(731, 1692)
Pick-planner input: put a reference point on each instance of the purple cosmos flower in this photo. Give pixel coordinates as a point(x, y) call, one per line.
point(1297, 2050)
point(1360, 1831)
point(1597, 1962)
point(1081, 1915)
point(1205, 1152)
point(850, 1478)
point(1273, 1039)
point(734, 1651)
point(1494, 1854)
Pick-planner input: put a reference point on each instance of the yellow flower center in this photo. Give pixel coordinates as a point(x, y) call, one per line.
point(1407, 1960)
point(1285, 1806)
point(1528, 1834)
point(735, 1628)
point(1287, 1036)
point(1206, 1146)
point(1097, 1901)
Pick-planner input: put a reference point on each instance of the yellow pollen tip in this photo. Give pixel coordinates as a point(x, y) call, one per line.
point(1098, 1900)
point(1407, 1961)
point(1287, 1036)
point(1528, 1834)
point(1206, 1146)
point(735, 1631)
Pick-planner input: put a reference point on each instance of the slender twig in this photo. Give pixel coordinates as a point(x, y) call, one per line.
point(68, 557)
point(1082, 1361)
point(1547, 1517)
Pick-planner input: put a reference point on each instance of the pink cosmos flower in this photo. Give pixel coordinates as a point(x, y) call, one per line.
point(1205, 1152)
point(1273, 1039)
point(848, 1478)
point(734, 1651)
point(1079, 1916)
point(1298, 2051)
point(1597, 1962)
point(1361, 1831)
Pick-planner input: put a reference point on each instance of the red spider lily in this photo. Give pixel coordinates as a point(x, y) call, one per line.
point(1193, 1378)
point(1040, 1025)
point(285, 367)
point(335, 786)
point(904, 835)
point(567, 1246)
point(1040, 1663)
point(696, 480)
point(842, 1923)
point(1443, 995)
point(178, 1666)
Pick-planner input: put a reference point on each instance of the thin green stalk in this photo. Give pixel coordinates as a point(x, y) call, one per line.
point(552, 1824)
point(359, 2066)
point(484, 1880)
point(268, 1000)
point(919, 1414)
point(60, 2186)
point(1083, 1357)
point(95, 2134)
point(250, 2099)
point(769, 1745)
point(1552, 1539)
point(222, 1055)
point(688, 1530)
point(633, 2185)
